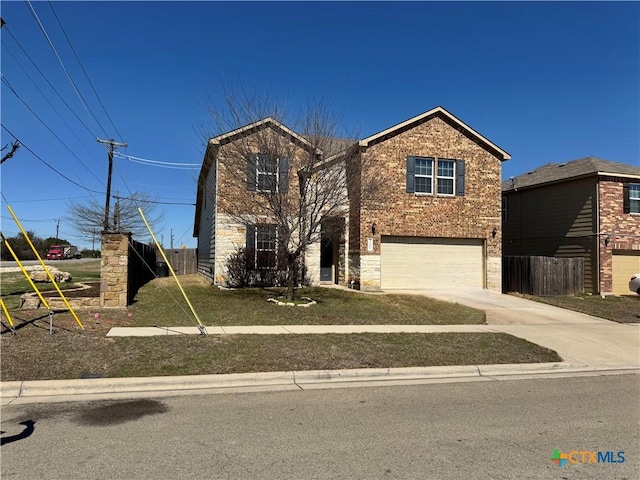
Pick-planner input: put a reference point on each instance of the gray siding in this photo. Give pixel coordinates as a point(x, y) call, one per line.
point(207, 230)
point(556, 220)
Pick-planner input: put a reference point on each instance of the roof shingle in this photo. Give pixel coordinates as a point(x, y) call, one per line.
point(582, 167)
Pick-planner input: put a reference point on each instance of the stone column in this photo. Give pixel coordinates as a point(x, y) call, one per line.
point(114, 269)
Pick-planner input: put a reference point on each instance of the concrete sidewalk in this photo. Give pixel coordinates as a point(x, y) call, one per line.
point(292, 330)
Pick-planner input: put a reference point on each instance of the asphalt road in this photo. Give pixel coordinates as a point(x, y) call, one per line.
point(55, 263)
point(480, 430)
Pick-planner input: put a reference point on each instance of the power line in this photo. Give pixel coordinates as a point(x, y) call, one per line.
point(48, 165)
point(6, 82)
point(46, 220)
point(73, 84)
point(48, 101)
point(83, 70)
point(155, 202)
point(51, 199)
point(93, 135)
point(157, 163)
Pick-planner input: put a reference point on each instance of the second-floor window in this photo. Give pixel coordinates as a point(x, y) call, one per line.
point(632, 198)
point(446, 176)
point(448, 179)
point(424, 175)
point(267, 173)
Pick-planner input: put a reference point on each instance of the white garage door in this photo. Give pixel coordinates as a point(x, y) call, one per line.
point(416, 262)
point(625, 264)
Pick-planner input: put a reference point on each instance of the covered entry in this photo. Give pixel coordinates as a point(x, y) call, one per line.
point(332, 250)
point(625, 264)
point(421, 262)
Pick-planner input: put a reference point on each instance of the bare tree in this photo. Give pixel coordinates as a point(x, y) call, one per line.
point(299, 180)
point(14, 146)
point(88, 217)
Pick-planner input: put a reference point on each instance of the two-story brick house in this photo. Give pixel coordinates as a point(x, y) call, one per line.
point(587, 208)
point(434, 223)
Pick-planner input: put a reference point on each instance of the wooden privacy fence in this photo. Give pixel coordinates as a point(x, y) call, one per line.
point(183, 260)
point(543, 276)
point(141, 267)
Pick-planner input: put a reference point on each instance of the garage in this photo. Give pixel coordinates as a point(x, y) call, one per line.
point(419, 262)
point(625, 264)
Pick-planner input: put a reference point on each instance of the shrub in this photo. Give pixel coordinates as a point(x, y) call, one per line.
point(242, 273)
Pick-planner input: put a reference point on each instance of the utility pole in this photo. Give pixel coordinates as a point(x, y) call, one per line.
point(172, 239)
point(112, 143)
point(57, 228)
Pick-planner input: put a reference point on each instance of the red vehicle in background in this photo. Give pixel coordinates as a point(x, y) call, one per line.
point(62, 252)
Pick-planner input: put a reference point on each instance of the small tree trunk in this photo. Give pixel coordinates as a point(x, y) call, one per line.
point(291, 278)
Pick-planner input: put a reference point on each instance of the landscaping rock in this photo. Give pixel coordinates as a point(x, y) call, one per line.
point(29, 301)
point(41, 276)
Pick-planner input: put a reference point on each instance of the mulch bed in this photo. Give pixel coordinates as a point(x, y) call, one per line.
point(92, 291)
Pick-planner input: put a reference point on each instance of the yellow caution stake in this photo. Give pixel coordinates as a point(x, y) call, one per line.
point(6, 312)
point(53, 280)
point(24, 271)
point(201, 327)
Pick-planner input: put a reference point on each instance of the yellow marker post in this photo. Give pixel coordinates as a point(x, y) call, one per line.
point(6, 312)
point(201, 327)
point(24, 271)
point(53, 280)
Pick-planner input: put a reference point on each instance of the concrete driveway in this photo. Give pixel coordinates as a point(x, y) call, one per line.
point(578, 338)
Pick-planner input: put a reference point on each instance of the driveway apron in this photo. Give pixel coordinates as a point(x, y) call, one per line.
point(577, 337)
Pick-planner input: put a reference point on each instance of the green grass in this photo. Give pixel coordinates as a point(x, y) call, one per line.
point(161, 303)
point(623, 308)
point(33, 354)
point(14, 284)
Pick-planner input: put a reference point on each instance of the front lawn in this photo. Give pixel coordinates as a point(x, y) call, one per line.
point(619, 308)
point(33, 354)
point(70, 352)
point(161, 303)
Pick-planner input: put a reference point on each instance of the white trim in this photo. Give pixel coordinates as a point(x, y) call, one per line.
point(417, 175)
point(217, 140)
point(452, 178)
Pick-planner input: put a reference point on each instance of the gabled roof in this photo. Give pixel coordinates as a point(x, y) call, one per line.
point(442, 113)
point(215, 142)
point(252, 127)
point(559, 172)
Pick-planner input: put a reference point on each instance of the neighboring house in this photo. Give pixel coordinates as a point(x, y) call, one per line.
point(587, 208)
point(434, 223)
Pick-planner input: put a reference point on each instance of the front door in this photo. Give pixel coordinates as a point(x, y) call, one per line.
point(326, 259)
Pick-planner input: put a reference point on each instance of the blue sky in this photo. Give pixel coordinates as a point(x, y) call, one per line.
point(546, 81)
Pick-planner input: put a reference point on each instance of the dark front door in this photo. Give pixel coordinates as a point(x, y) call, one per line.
point(326, 259)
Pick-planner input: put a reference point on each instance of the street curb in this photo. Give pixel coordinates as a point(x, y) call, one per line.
point(313, 379)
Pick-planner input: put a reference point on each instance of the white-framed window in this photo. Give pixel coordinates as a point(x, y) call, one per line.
point(266, 246)
point(266, 174)
point(449, 176)
point(446, 177)
point(634, 198)
point(423, 175)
